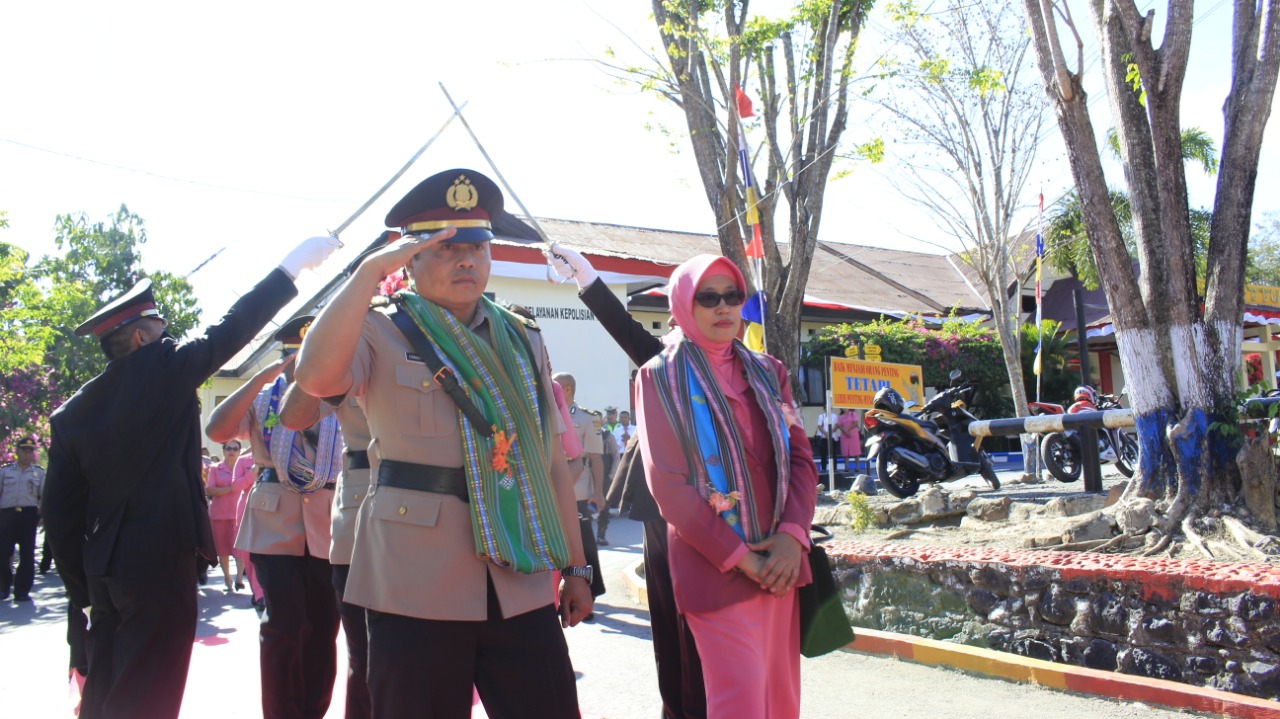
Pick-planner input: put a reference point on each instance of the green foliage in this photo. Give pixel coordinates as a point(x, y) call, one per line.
point(969, 347)
point(1133, 76)
point(1262, 261)
point(1067, 245)
point(41, 304)
point(862, 517)
point(1230, 416)
point(1056, 381)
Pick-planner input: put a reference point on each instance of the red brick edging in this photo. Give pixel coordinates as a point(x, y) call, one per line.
point(1159, 578)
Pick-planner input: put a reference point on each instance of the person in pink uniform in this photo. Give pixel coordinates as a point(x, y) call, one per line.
point(739, 519)
point(850, 440)
point(227, 481)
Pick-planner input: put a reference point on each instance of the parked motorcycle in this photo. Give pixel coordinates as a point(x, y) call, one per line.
point(1062, 451)
point(930, 446)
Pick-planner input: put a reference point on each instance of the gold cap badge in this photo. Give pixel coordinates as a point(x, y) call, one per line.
point(462, 195)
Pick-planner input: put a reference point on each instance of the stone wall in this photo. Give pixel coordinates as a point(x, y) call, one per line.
point(1204, 623)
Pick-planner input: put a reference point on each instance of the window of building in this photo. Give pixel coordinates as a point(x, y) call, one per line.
point(813, 387)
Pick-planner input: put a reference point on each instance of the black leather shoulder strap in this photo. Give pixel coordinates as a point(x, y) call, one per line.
point(442, 374)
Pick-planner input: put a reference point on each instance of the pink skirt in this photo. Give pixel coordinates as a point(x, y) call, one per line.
point(224, 535)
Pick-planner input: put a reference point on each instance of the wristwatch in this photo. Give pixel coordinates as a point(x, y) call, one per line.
point(586, 572)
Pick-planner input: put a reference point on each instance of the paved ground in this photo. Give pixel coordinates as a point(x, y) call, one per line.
point(612, 655)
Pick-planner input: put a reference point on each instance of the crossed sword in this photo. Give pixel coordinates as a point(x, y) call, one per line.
point(514, 228)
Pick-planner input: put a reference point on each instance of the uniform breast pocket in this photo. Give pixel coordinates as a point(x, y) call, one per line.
point(422, 408)
point(264, 499)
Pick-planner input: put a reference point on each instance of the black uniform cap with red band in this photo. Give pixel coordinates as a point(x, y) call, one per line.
point(291, 333)
point(463, 199)
point(136, 303)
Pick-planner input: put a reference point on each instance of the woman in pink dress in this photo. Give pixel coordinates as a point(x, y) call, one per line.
point(850, 441)
point(732, 472)
point(227, 481)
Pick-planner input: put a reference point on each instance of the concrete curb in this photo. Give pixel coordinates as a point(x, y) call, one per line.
point(635, 583)
point(989, 662)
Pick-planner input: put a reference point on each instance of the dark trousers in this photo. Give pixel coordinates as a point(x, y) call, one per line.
point(674, 651)
point(297, 637)
point(353, 627)
point(18, 528)
point(426, 667)
point(589, 547)
point(142, 627)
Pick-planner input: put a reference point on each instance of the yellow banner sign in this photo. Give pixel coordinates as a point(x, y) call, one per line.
point(1256, 295)
point(854, 383)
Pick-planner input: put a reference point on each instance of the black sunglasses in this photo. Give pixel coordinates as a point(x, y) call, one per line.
point(733, 298)
point(230, 449)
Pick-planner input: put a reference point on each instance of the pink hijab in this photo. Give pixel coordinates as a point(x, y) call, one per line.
point(681, 289)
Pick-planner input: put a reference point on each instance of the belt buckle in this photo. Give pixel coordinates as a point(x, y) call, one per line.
point(446, 372)
point(17, 509)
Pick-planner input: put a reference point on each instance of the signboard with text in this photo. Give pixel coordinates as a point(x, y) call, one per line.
point(854, 382)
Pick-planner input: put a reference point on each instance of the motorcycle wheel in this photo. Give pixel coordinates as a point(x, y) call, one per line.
point(1061, 456)
point(1127, 454)
point(894, 477)
point(988, 472)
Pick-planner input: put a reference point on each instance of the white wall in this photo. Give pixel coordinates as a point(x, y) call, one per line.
point(576, 341)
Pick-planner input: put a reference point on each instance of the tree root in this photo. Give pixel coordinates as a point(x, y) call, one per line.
point(1117, 541)
point(1252, 541)
point(1091, 545)
point(1160, 546)
point(1194, 537)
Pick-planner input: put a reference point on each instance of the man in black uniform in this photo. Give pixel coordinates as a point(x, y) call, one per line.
point(123, 504)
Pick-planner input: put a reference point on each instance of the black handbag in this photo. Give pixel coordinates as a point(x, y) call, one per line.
point(824, 627)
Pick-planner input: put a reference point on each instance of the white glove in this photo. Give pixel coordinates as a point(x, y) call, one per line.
point(568, 263)
point(309, 255)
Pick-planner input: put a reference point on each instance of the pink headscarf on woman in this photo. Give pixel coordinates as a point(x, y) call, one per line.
point(681, 288)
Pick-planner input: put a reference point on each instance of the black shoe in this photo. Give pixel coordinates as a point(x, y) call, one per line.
point(590, 617)
point(23, 598)
point(239, 586)
point(260, 606)
point(601, 541)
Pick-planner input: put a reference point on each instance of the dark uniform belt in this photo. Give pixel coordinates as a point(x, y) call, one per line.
point(357, 459)
point(424, 478)
point(27, 508)
point(267, 475)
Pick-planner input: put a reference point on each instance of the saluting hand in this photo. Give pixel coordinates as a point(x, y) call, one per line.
point(401, 252)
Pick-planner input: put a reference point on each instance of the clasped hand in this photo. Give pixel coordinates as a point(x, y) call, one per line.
point(774, 563)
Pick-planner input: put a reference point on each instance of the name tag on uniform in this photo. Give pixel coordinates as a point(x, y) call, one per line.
point(414, 357)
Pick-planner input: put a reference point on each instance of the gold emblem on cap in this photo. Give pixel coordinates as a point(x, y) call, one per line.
point(302, 331)
point(462, 196)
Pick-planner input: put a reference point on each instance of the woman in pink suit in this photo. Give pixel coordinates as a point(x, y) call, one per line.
point(227, 481)
point(850, 441)
point(731, 469)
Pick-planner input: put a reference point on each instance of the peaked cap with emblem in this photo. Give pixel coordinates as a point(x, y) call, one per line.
point(136, 303)
point(27, 442)
point(464, 199)
point(291, 333)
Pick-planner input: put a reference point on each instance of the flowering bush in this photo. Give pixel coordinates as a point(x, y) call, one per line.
point(27, 397)
point(969, 347)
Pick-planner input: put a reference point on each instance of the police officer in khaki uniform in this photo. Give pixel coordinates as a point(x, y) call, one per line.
point(587, 470)
point(21, 484)
point(470, 506)
point(285, 529)
point(353, 485)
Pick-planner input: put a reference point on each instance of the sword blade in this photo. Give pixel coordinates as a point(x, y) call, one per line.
point(493, 166)
point(457, 112)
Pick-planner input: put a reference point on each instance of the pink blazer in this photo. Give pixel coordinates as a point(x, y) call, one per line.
point(238, 478)
point(703, 550)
